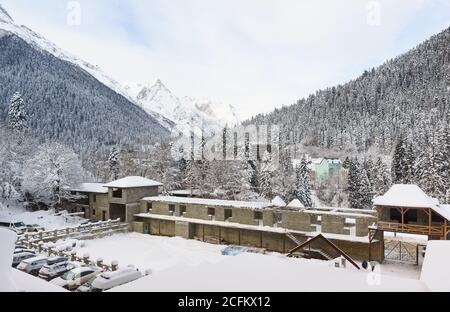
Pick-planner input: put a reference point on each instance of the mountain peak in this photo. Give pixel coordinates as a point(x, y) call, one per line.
point(4, 16)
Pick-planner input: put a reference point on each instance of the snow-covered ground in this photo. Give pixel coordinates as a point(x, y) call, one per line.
point(46, 219)
point(165, 255)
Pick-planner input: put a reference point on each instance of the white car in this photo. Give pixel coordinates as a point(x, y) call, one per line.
point(18, 227)
point(18, 258)
point(73, 279)
point(55, 267)
point(109, 280)
point(32, 265)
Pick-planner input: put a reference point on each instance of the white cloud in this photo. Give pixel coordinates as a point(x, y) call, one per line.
point(254, 54)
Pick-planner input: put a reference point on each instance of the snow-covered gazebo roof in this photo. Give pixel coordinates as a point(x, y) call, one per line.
point(132, 182)
point(279, 202)
point(407, 196)
point(296, 204)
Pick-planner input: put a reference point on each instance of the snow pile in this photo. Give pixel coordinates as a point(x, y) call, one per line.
point(260, 273)
point(406, 195)
point(130, 182)
point(435, 270)
point(296, 204)
point(279, 202)
point(7, 242)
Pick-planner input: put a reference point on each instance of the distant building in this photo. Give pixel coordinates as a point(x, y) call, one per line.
point(116, 200)
point(321, 168)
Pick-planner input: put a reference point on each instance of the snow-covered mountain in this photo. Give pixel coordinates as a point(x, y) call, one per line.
point(39, 42)
point(184, 112)
point(67, 99)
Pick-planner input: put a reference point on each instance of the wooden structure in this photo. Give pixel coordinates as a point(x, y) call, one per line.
point(323, 247)
point(407, 209)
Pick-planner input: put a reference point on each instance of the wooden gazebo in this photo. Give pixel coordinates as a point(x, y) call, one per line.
point(407, 209)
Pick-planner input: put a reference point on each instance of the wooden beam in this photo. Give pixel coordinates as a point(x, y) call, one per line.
point(402, 211)
point(430, 221)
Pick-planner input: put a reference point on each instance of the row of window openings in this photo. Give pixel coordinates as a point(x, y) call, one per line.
point(228, 213)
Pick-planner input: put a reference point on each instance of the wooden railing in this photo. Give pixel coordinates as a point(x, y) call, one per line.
point(411, 228)
point(93, 229)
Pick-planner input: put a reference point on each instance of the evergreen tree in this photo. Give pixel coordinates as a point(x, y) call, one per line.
point(400, 164)
point(302, 187)
point(382, 181)
point(354, 184)
point(265, 176)
point(17, 117)
point(114, 164)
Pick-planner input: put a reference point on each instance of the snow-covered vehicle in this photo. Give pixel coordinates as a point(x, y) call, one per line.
point(18, 258)
point(32, 265)
point(55, 267)
point(109, 280)
point(18, 227)
point(22, 250)
point(87, 287)
point(77, 277)
point(237, 250)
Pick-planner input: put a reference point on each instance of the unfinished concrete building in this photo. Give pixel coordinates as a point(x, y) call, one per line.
point(257, 224)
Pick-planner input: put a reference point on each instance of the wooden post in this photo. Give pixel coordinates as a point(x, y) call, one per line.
point(429, 221)
point(402, 211)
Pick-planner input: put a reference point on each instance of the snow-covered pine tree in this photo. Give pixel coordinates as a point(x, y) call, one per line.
point(17, 116)
point(383, 180)
point(365, 191)
point(428, 173)
point(265, 176)
point(400, 165)
point(302, 186)
point(114, 164)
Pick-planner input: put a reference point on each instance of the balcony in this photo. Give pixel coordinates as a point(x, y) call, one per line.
point(411, 228)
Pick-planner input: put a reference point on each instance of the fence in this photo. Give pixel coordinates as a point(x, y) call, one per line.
point(36, 241)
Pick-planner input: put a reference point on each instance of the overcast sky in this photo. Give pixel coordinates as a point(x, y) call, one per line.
point(254, 54)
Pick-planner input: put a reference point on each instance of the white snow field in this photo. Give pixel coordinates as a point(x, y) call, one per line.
point(187, 265)
point(46, 219)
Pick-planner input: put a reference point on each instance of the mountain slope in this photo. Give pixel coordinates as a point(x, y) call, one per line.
point(159, 101)
point(65, 100)
point(409, 94)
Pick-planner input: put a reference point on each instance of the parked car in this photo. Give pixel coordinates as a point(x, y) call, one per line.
point(21, 250)
point(32, 265)
point(109, 280)
point(73, 279)
point(55, 267)
point(18, 227)
point(34, 228)
point(18, 258)
point(86, 287)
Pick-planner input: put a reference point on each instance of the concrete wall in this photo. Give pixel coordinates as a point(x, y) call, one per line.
point(297, 221)
point(101, 204)
point(334, 224)
point(132, 195)
point(290, 219)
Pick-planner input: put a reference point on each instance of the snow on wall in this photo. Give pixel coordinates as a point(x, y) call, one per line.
point(211, 202)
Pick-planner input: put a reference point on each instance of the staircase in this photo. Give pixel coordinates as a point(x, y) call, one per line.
point(293, 238)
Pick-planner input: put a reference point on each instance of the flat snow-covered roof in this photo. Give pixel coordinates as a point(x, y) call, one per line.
point(132, 182)
point(98, 188)
point(211, 202)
